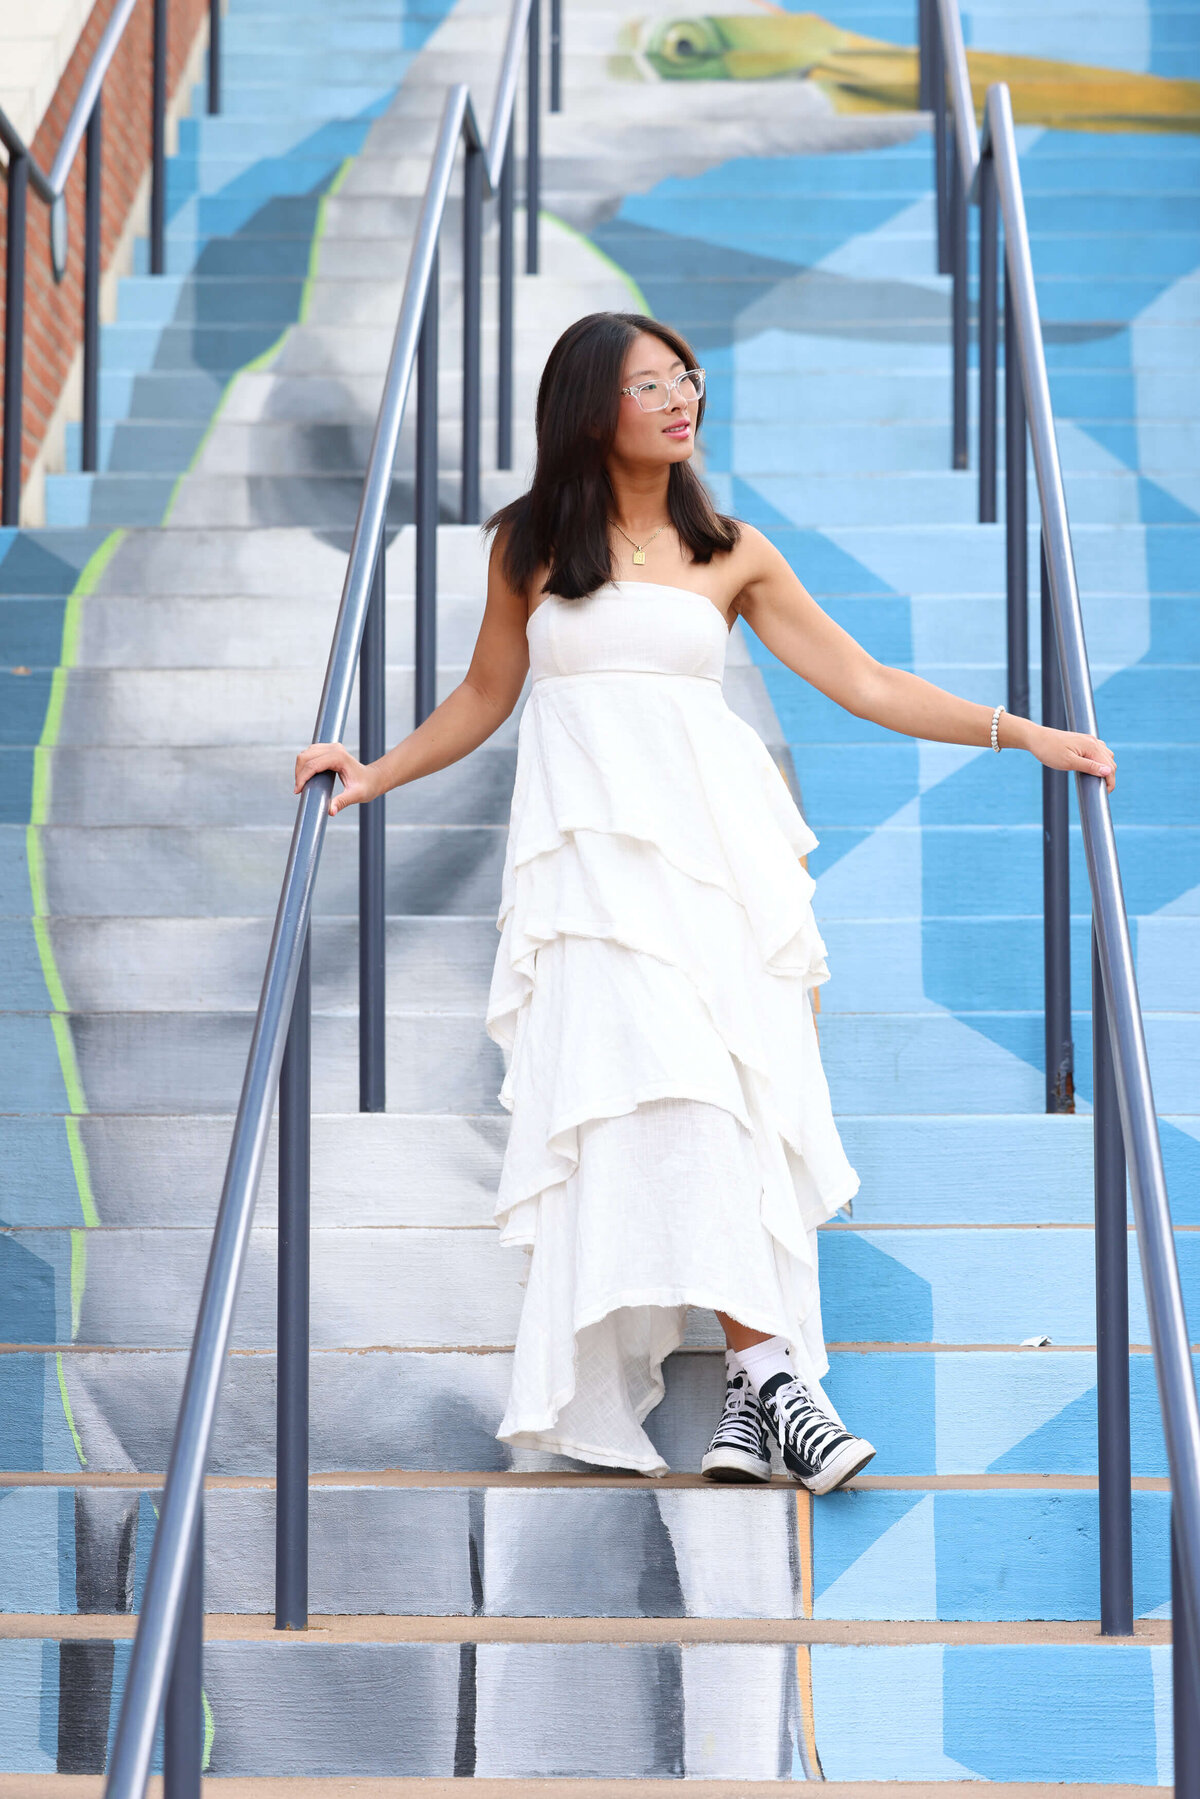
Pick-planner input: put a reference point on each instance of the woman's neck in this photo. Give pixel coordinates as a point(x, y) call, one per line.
point(639, 498)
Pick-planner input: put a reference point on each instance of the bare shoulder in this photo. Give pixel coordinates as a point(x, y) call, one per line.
point(500, 589)
point(753, 561)
point(755, 549)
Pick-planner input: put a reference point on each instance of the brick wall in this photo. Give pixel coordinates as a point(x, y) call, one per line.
point(54, 313)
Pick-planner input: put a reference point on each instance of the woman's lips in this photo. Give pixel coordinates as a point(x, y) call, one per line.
point(682, 429)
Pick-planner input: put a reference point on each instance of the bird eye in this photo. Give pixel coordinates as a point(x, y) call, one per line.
point(685, 45)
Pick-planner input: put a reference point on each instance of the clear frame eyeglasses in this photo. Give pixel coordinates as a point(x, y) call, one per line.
point(655, 396)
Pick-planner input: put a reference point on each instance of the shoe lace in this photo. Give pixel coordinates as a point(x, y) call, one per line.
point(811, 1431)
point(742, 1422)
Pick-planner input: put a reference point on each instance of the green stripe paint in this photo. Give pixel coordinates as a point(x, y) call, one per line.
point(65, 1045)
point(86, 582)
point(265, 357)
point(83, 1174)
point(78, 1277)
point(67, 1412)
point(314, 249)
point(641, 304)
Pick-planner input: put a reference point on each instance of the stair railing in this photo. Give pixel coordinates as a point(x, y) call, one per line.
point(24, 172)
point(987, 173)
point(165, 1669)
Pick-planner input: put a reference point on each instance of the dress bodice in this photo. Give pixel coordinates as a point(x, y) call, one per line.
point(633, 627)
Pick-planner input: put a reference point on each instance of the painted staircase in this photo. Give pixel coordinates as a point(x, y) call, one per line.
point(477, 1614)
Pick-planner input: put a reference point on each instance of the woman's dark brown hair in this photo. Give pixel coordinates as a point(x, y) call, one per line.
point(562, 523)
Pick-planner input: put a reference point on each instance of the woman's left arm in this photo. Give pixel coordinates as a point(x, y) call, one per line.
point(780, 611)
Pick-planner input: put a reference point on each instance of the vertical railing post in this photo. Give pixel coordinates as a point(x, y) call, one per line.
point(1016, 506)
point(472, 381)
point(92, 229)
point(941, 134)
point(214, 55)
point(372, 853)
point(1056, 876)
point(533, 129)
point(1185, 1680)
point(291, 1348)
point(183, 1709)
point(504, 373)
point(1112, 1327)
point(555, 55)
point(926, 26)
point(158, 142)
point(425, 585)
point(959, 245)
point(14, 339)
point(989, 303)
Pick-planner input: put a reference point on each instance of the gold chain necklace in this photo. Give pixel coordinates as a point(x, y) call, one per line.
point(639, 549)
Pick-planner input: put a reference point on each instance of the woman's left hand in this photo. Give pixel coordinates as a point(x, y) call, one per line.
point(1077, 753)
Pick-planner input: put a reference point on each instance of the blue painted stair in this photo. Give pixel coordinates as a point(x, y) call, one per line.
point(245, 200)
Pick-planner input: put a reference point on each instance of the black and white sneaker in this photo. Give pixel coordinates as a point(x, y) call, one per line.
point(814, 1446)
point(741, 1445)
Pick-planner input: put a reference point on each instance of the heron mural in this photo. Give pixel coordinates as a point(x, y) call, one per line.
point(860, 74)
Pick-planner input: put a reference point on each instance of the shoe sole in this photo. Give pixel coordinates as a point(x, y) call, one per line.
point(734, 1465)
point(840, 1468)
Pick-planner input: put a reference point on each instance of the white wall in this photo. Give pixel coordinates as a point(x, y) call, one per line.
point(36, 41)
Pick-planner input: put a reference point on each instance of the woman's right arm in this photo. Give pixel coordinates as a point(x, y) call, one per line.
point(479, 705)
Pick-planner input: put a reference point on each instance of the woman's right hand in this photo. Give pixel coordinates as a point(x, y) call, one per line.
point(359, 782)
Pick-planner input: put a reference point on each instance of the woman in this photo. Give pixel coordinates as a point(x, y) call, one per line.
point(672, 1142)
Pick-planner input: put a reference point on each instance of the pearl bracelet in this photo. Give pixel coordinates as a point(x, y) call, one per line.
point(996, 727)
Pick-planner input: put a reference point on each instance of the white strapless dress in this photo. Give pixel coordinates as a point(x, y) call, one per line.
point(672, 1141)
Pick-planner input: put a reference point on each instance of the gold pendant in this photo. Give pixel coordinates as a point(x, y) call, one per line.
point(639, 556)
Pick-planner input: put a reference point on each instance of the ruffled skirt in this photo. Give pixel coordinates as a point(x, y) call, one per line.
point(672, 1142)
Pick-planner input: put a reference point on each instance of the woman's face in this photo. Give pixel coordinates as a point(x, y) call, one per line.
point(653, 437)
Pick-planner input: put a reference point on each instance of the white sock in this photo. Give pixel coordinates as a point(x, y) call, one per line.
point(762, 1361)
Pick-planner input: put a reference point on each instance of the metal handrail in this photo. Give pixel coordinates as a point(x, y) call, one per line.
point(1125, 1123)
point(52, 187)
point(15, 145)
point(24, 171)
point(166, 1649)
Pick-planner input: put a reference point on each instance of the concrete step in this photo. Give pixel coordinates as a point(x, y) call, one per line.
point(252, 140)
point(162, 631)
point(330, 499)
point(980, 1169)
point(178, 964)
point(969, 1411)
point(178, 708)
point(999, 959)
point(101, 786)
point(322, 65)
point(388, 1169)
point(931, 1061)
point(411, 1287)
point(213, 869)
point(83, 1786)
point(338, 444)
point(217, 561)
point(866, 783)
point(247, 34)
point(217, 871)
point(657, 1708)
point(323, 449)
point(995, 1550)
point(268, 99)
point(918, 396)
point(444, 962)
